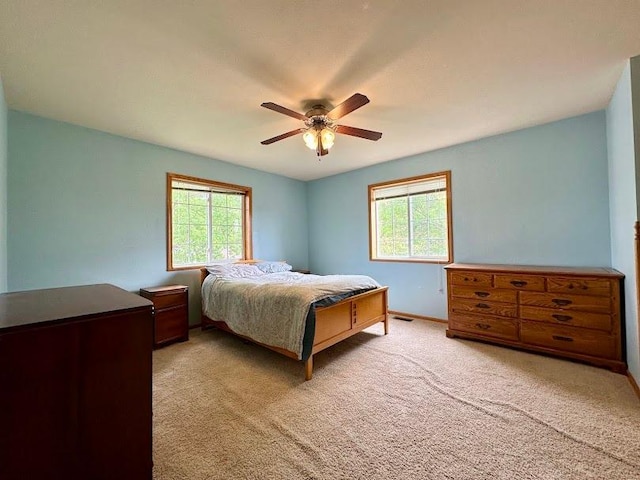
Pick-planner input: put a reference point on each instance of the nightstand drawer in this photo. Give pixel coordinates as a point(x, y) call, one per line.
point(171, 324)
point(170, 300)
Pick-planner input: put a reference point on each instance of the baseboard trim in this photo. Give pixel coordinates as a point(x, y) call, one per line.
point(633, 383)
point(417, 317)
point(196, 325)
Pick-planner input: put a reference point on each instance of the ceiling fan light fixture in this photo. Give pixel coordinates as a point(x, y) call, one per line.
point(328, 137)
point(310, 138)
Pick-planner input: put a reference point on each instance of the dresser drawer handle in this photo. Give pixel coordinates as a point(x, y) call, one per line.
point(518, 283)
point(482, 305)
point(483, 326)
point(562, 339)
point(467, 279)
point(561, 302)
point(482, 294)
point(562, 318)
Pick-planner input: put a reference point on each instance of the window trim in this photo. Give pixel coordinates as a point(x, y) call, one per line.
point(404, 181)
point(247, 247)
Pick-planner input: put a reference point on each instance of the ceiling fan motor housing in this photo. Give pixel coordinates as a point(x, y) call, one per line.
point(317, 110)
point(318, 122)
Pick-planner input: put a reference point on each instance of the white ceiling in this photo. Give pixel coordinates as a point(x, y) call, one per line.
point(191, 75)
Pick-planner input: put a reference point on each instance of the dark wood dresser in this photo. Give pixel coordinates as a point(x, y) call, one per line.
point(75, 384)
point(171, 313)
point(562, 311)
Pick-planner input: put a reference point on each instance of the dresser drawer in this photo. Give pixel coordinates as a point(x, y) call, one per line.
point(587, 342)
point(494, 294)
point(566, 302)
point(474, 279)
point(519, 282)
point(464, 305)
point(583, 286)
point(171, 324)
point(574, 318)
point(489, 326)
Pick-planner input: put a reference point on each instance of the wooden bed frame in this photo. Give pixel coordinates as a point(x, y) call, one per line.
point(333, 324)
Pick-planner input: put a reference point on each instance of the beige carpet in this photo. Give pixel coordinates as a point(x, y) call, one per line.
point(410, 405)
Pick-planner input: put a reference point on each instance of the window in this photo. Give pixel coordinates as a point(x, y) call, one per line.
point(207, 221)
point(410, 219)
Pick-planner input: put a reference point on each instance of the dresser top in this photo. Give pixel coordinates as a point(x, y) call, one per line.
point(54, 304)
point(539, 269)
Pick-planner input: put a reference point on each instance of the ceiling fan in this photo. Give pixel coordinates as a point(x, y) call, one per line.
point(320, 124)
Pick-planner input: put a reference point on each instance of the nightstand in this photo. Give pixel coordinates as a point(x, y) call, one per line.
point(171, 318)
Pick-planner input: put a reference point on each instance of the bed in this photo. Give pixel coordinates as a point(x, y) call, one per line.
point(295, 314)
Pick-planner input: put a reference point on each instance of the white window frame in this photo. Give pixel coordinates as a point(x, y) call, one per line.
point(404, 188)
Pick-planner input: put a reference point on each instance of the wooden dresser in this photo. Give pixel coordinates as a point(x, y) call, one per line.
point(75, 384)
point(562, 311)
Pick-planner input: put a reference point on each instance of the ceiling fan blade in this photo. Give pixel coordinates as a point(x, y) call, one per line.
point(280, 109)
point(352, 103)
point(358, 132)
point(283, 136)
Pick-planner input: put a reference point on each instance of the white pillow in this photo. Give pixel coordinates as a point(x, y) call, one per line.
point(234, 270)
point(218, 268)
point(274, 267)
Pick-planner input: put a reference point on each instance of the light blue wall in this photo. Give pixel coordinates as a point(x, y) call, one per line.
point(622, 200)
point(88, 207)
point(535, 196)
point(3, 191)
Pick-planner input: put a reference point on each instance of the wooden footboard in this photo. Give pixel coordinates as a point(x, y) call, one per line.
point(334, 323)
point(346, 318)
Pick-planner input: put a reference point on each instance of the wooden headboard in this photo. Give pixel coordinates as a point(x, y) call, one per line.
point(203, 274)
